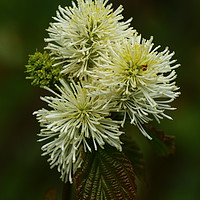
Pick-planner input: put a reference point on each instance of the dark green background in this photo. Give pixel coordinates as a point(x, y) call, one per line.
point(24, 174)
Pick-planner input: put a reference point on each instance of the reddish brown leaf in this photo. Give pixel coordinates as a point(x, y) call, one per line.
point(106, 175)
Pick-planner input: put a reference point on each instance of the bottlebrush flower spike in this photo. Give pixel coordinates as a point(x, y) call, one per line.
point(81, 32)
point(75, 117)
point(140, 79)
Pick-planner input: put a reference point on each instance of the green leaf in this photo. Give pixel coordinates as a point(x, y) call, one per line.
point(134, 154)
point(163, 144)
point(106, 175)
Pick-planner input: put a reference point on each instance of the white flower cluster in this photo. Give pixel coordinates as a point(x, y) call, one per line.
point(108, 68)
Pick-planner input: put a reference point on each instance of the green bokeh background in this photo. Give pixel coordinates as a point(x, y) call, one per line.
point(24, 174)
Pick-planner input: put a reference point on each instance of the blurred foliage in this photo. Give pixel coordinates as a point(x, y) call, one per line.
point(133, 152)
point(24, 173)
point(164, 145)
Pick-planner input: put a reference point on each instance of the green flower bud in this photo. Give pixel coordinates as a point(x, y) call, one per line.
point(42, 71)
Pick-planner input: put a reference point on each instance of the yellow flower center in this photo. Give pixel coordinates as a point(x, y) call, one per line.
point(135, 69)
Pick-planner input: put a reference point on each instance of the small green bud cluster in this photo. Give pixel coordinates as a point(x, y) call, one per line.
point(42, 71)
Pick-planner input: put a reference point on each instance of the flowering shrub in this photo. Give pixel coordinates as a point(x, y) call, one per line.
point(102, 74)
